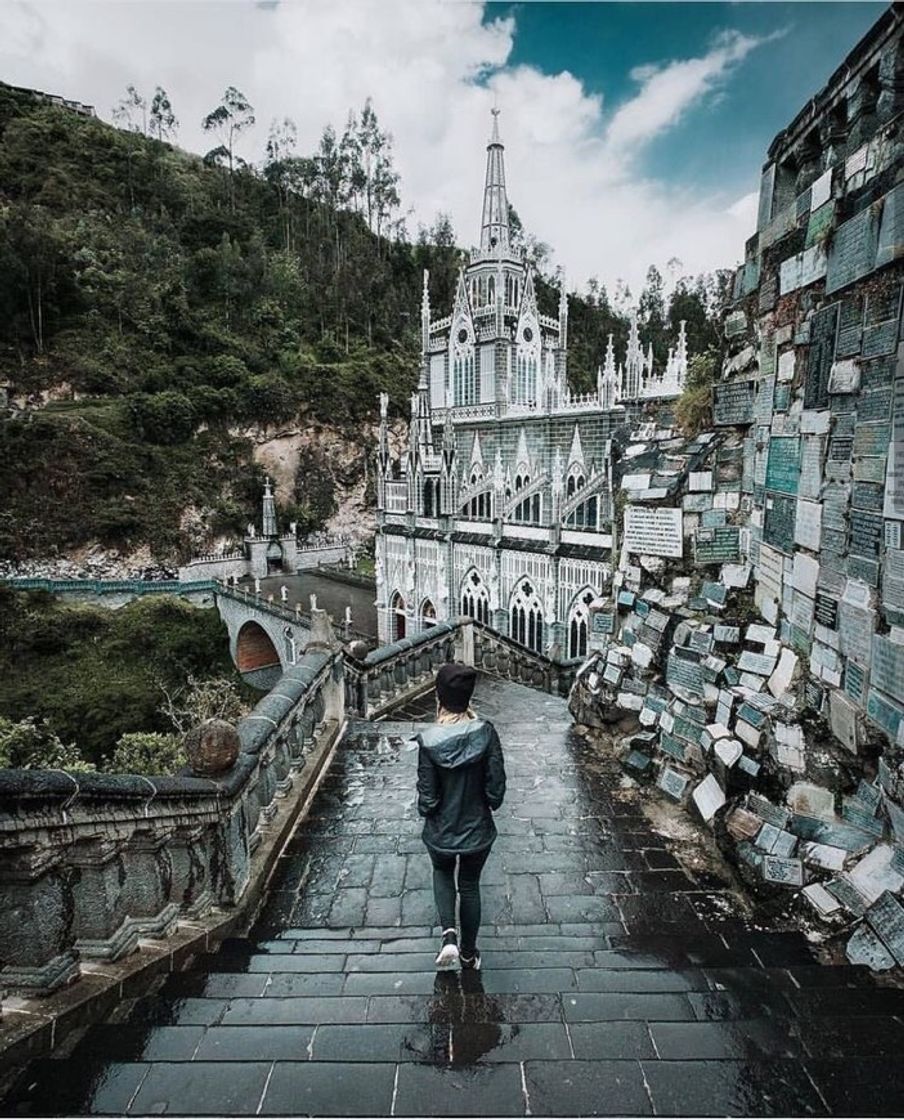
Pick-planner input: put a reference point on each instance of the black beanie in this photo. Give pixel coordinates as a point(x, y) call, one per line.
point(455, 686)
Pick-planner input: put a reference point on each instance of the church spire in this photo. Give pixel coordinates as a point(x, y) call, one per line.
point(494, 228)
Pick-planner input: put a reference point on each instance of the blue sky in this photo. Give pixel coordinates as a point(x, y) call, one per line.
point(634, 133)
point(723, 143)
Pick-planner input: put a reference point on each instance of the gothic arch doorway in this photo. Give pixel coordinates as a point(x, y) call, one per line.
point(428, 614)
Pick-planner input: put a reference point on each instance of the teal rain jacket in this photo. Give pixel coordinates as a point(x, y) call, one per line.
point(460, 782)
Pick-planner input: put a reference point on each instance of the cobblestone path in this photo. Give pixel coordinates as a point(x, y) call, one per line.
point(614, 982)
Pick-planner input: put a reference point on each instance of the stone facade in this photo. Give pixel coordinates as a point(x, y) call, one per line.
point(501, 508)
point(816, 377)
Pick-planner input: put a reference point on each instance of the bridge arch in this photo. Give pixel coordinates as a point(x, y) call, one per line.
point(254, 648)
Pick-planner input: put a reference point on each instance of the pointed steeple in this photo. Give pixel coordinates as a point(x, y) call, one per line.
point(563, 312)
point(425, 313)
point(494, 226)
point(522, 456)
point(681, 357)
point(634, 361)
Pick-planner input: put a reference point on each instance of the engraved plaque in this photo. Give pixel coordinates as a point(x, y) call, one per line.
point(868, 496)
point(812, 448)
point(733, 403)
point(887, 668)
point(820, 356)
point(778, 869)
point(853, 250)
point(781, 512)
point(762, 407)
point(717, 545)
point(783, 469)
point(653, 531)
point(866, 533)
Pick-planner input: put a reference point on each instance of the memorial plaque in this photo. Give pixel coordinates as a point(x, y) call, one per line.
point(872, 439)
point(733, 403)
point(887, 666)
point(778, 530)
point(853, 250)
point(717, 545)
point(855, 627)
point(865, 821)
point(868, 496)
point(766, 811)
point(826, 611)
point(684, 671)
point(626, 598)
point(866, 533)
point(672, 746)
point(883, 711)
point(878, 374)
point(729, 635)
point(869, 469)
point(782, 398)
point(778, 869)
point(673, 783)
point(894, 479)
point(874, 407)
point(820, 355)
point(602, 622)
point(861, 568)
point(886, 917)
point(850, 324)
point(653, 531)
point(811, 455)
point(880, 339)
point(808, 525)
point(762, 405)
point(891, 229)
point(847, 895)
point(856, 683)
point(783, 469)
point(760, 663)
point(713, 517)
point(814, 695)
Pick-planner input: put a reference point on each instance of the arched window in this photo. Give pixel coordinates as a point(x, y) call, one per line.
point(397, 619)
point(526, 376)
point(585, 516)
point(526, 616)
point(475, 599)
point(491, 290)
point(431, 497)
point(291, 648)
point(428, 614)
point(464, 380)
point(579, 623)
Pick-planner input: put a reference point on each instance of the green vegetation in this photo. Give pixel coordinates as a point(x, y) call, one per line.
point(88, 676)
point(694, 408)
point(155, 305)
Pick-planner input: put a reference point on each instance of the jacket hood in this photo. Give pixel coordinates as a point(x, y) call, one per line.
point(456, 744)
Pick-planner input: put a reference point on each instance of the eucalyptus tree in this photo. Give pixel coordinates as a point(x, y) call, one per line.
point(233, 116)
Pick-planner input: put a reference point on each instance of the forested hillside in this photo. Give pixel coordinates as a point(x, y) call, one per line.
point(156, 306)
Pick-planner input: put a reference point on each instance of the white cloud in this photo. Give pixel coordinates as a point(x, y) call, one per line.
point(433, 70)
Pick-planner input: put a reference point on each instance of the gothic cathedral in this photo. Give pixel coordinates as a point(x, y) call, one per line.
point(501, 507)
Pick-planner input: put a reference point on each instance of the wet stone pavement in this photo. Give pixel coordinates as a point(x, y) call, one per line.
point(615, 982)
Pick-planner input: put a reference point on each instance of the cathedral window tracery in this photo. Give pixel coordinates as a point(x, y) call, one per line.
point(526, 615)
point(579, 624)
point(398, 618)
point(475, 599)
point(428, 614)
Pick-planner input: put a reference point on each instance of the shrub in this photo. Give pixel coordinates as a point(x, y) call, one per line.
point(32, 745)
point(148, 752)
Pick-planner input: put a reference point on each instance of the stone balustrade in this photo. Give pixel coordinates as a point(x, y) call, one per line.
point(90, 864)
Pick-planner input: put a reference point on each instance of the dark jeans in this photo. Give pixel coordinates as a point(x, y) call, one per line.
point(469, 869)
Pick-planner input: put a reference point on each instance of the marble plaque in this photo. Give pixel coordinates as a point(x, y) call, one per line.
point(866, 533)
point(894, 479)
point(672, 746)
point(875, 407)
point(887, 666)
point(708, 797)
point(872, 439)
point(653, 531)
point(886, 917)
point(883, 711)
point(868, 496)
point(762, 406)
point(812, 449)
point(733, 403)
point(856, 683)
point(820, 355)
point(853, 250)
point(783, 467)
point(855, 627)
point(869, 468)
point(673, 783)
point(683, 670)
point(779, 869)
point(717, 545)
point(713, 517)
point(808, 525)
point(880, 339)
point(781, 512)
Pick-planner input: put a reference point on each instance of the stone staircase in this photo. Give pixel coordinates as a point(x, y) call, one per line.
point(616, 979)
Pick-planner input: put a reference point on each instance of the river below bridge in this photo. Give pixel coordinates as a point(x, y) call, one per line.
point(618, 979)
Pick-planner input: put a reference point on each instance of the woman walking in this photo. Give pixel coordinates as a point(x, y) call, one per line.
point(460, 782)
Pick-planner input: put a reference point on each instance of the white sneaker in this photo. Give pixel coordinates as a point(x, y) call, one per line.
point(447, 957)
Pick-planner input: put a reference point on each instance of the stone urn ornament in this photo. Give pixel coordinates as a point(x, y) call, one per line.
point(212, 747)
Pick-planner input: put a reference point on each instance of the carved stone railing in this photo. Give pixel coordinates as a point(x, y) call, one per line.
point(93, 864)
point(406, 669)
point(101, 587)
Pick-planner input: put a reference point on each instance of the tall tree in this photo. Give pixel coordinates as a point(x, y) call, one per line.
point(131, 112)
point(279, 168)
point(163, 122)
point(228, 121)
